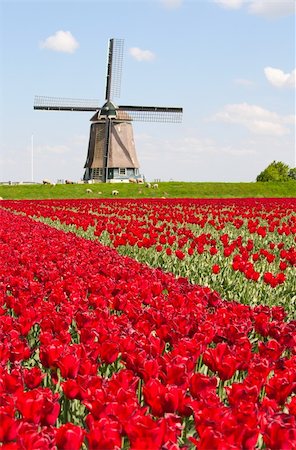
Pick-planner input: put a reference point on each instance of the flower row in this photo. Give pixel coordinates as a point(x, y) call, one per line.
point(243, 248)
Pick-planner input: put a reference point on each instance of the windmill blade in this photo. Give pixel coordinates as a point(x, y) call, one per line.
point(152, 113)
point(114, 68)
point(65, 104)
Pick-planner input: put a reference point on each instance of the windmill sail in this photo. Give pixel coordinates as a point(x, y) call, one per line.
point(65, 104)
point(113, 83)
point(114, 68)
point(153, 113)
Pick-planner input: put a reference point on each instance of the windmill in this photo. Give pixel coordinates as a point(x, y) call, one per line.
point(111, 152)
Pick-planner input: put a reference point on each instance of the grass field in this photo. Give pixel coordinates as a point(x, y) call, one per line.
point(165, 189)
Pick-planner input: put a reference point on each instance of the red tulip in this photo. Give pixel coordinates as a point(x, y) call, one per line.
point(221, 360)
point(216, 268)
point(9, 427)
point(180, 254)
point(105, 434)
point(69, 437)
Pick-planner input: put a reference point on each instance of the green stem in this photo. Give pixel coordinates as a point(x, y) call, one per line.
point(221, 389)
point(140, 391)
point(66, 412)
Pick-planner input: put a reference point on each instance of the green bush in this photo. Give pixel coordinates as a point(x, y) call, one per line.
point(276, 171)
point(292, 173)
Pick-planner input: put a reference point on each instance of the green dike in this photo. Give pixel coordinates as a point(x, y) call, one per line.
point(171, 189)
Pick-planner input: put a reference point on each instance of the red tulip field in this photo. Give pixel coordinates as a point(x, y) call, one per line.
point(148, 324)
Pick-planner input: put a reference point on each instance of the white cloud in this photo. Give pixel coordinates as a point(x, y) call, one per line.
point(78, 140)
point(217, 154)
point(172, 4)
point(230, 4)
point(279, 79)
point(272, 8)
point(187, 148)
point(266, 8)
point(191, 146)
point(56, 149)
point(141, 55)
point(291, 119)
point(61, 41)
point(244, 82)
point(255, 118)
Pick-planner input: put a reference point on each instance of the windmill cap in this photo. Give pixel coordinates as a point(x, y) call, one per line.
point(109, 109)
point(112, 111)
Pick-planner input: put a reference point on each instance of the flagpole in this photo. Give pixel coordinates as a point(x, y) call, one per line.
point(32, 158)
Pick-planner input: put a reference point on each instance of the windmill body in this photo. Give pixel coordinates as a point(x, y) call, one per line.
point(122, 158)
point(111, 155)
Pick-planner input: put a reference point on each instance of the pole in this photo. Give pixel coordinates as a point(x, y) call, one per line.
point(32, 158)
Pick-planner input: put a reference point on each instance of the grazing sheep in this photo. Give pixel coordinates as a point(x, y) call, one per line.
point(46, 182)
point(148, 185)
point(115, 192)
point(88, 191)
point(155, 186)
point(132, 180)
point(69, 182)
point(140, 181)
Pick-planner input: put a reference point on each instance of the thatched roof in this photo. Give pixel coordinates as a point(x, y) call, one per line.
point(122, 152)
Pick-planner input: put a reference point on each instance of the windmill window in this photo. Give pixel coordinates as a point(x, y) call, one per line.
point(122, 171)
point(97, 173)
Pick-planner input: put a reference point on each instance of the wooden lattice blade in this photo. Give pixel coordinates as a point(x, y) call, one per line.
point(114, 68)
point(152, 113)
point(65, 104)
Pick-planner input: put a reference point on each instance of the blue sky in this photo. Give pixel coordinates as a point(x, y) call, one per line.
point(229, 63)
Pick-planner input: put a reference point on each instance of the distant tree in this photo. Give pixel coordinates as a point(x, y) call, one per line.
point(292, 173)
point(276, 171)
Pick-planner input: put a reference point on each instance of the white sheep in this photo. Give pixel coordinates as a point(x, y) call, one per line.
point(88, 191)
point(132, 180)
point(46, 182)
point(115, 192)
point(155, 186)
point(140, 181)
point(148, 185)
